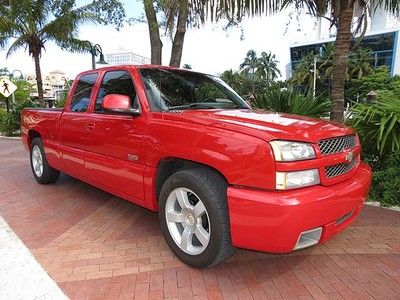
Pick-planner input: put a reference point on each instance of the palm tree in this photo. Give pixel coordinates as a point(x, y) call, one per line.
point(361, 63)
point(325, 60)
point(249, 66)
point(303, 73)
point(339, 12)
point(233, 79)
point(30, 24)
point(267, 67)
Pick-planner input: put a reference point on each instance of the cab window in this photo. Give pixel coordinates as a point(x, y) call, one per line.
point(83, 90)
point(117, 82)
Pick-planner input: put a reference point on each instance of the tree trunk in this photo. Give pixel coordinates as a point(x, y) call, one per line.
point(340, 57)
point(154, 33)
point(39, 82)
point(177, 44)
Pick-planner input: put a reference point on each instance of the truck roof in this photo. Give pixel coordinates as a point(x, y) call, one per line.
point(118, 67)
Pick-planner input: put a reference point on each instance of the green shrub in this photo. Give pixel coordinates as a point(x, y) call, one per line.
point(386, 180)
point(277, 100)
point(378, 123)
point(10, 123)
point(63, 98)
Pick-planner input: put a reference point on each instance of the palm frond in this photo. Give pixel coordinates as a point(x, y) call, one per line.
point(20, 42)
point(285, 101)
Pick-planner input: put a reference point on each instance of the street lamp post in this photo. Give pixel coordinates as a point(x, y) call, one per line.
point(94, 50)
point(315, 77)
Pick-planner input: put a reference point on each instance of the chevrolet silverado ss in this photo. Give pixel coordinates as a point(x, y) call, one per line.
point(220, 175)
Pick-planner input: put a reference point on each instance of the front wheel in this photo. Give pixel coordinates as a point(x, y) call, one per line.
point(194, 217)
point(41, 170)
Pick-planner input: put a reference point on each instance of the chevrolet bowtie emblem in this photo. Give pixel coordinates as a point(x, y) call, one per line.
point(133, 157)
point(350, 156)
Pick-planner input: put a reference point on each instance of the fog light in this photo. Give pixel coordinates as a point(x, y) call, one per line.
point(292, 180)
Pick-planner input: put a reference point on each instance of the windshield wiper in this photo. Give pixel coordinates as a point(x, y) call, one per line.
point(192, 106)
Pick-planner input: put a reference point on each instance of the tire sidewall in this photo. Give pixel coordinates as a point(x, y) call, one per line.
point(41, 179)
point(182, 180)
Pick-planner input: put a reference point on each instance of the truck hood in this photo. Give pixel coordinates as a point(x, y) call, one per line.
point(265, 125)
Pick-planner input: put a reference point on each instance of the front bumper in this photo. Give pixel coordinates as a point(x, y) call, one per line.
point(272, 221)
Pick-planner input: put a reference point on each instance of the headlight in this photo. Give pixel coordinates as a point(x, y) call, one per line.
point(293, 180)
point(292, 151)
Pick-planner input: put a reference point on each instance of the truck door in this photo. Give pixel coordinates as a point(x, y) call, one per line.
point(74, 120)
point(115, 149)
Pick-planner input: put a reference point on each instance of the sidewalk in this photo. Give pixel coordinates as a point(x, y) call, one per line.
point(21, 276)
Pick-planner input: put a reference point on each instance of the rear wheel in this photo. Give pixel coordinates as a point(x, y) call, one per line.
point(194, 217)
point(41, 170)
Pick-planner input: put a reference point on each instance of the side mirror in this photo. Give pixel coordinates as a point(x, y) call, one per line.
point(119, 104)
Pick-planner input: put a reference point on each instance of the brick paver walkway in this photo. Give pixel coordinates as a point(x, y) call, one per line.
point(98, 246)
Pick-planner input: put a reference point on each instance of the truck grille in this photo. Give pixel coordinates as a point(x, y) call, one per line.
point(340, 169)
point(336, 145)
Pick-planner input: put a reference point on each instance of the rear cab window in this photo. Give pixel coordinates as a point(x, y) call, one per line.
point(82, 93)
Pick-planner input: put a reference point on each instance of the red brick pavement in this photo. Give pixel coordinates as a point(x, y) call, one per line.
point(98, 246)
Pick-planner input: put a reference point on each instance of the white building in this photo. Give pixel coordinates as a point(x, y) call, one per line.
point(53, 84)
point(381, 37)
point(123, 57)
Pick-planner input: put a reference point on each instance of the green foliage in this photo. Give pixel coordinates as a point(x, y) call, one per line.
point(233, 79)
point(379, 79)
point(378, 123)
point(263, 68)
point(63, 98)
point(30, 24)
point(360, 63)
point(359, 66)
point(23, 92)
point(386, 180)
point(267, 67)
point(255, 76)
point(10, 123)
point(303, 74)
point(278, 100)
point(55, 20)
point(208, 91)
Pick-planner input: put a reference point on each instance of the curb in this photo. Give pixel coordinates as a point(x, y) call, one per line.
point(377, 204)
point(10, 137)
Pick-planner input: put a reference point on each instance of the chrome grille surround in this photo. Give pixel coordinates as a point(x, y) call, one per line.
point(340, 169)
point(337, 144)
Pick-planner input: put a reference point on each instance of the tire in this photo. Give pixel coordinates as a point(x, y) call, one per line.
point(41, 170)
point(209, 239)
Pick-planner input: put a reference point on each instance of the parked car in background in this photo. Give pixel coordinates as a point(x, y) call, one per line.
point(220, 175)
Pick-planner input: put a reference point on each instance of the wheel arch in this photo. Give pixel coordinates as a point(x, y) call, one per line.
point(32, 134)
point(170, 165)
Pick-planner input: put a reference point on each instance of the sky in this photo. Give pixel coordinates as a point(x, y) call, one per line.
point(207, 49)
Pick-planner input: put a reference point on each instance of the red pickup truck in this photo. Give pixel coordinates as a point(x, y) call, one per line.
point(220, 174)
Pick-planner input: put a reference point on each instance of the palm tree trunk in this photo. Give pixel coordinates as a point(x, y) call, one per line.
point(39, 82)
point(340, 57)
point(177, 44)
point(154, 33)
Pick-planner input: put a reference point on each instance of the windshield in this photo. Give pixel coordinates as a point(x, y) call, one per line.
point(179, 89)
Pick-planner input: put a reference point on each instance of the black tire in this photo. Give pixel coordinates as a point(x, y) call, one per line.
point(49, 175)
point(212, 190)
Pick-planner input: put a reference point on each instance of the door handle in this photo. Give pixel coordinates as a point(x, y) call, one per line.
point(90, 126)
